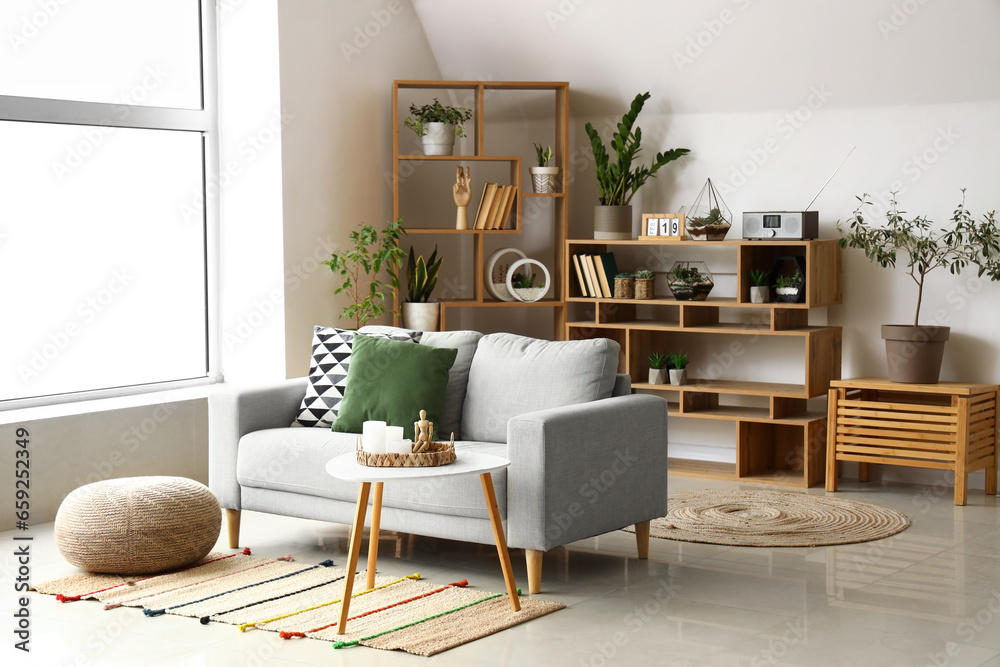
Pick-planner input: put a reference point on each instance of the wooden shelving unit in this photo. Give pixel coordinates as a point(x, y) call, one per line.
point(781, 442)
point(477, 128)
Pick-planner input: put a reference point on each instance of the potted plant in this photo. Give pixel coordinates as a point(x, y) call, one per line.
point(419, 313)
point(543, 177)
point(644, 284)
point(360, 266)
point(527, 287)
point(709, 218)
point(690, 281)
point(437, 126)
point(624, 286)
point(759, 292)
point(790, 288)
point(658, 367)
point(678, 374)
point(619, 181)
point(914, 352)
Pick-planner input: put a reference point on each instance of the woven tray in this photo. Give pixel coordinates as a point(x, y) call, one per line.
point(443, 454)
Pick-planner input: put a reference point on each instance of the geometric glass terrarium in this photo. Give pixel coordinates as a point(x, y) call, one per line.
point(709, 218)
point(690, 281)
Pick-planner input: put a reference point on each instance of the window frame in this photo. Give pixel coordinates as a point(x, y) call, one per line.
point(204, 121)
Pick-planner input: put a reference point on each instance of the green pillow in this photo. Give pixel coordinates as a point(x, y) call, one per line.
point(393, 381)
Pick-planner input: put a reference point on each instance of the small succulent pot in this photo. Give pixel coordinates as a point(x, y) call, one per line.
point(644, 288)
point(678, 376)
point(624, 288)
point(658, 376)
point(760, 294)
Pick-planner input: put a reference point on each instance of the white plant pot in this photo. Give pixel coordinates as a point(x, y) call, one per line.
point(422, 316)
point(543, 179)
point(760, 294)
point(678, 376)
point(440, 139)
point(658, 376)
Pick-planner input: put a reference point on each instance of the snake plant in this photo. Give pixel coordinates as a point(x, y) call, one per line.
point(421, 276)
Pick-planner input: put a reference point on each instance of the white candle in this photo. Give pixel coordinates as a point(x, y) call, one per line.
point(373, 437)
point(399, 447)
point(393, 433)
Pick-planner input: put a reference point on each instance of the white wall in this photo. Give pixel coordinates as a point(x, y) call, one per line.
point(338, 61)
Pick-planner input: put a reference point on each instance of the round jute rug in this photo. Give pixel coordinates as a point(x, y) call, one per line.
point(773, 519)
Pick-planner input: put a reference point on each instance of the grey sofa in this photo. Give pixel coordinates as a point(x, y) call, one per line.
point(587, 456)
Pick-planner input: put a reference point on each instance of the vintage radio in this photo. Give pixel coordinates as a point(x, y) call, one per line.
point(781, 225)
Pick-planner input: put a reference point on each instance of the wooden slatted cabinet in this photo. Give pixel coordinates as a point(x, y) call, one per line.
point(944, 426)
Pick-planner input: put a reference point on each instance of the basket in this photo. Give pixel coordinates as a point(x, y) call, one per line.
point(624, 288)
point(442, 453)
point(644, 288)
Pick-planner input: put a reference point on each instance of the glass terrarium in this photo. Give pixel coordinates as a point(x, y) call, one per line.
point(709, 219)
point(690, 281)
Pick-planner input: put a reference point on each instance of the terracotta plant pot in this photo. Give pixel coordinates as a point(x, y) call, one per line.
point(914, 353)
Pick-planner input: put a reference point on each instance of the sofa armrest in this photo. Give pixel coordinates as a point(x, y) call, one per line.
point(585, 469)
point(234, 411)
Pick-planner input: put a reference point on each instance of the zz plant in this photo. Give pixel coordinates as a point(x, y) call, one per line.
point(619, 180)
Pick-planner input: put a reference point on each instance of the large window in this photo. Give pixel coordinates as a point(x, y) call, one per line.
point(107, 134)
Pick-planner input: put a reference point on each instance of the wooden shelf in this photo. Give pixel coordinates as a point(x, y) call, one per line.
point(781, 442)
point(477, 130)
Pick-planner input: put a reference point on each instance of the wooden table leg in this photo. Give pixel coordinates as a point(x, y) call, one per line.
point(501, 541)
point(991, 466)
point(373, 535)
point(352, 559)
point(831, 441)
point(961, 405)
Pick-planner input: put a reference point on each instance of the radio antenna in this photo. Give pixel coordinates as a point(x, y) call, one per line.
point(829, 179)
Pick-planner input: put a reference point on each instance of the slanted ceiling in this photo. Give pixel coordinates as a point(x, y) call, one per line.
point(725, 55)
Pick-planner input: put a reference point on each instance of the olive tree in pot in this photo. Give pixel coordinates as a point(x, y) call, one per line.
point(360, 267)
point(914, 352)
point(419, 312)
point(618, 181)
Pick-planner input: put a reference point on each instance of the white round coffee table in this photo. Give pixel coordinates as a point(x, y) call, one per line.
point(346, 467)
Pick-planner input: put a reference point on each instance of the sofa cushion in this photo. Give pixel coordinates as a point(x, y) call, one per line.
point(458, 377)
point(293, 460)
point(393, 381)
point(512, 375)
point(331, 358)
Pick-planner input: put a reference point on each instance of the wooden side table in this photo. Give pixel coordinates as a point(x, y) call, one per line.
point(346, 467)
point(944, 426)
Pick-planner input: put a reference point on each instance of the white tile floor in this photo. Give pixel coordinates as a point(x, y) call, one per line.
point(928, 596)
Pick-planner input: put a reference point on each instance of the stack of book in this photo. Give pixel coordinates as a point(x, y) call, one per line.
point(495, 206)
point(595, 274)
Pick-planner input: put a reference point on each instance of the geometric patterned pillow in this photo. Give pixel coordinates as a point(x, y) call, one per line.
point(331, 356)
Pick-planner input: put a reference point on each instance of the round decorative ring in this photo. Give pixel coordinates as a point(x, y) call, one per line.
point(535, 293)
point(499, 290)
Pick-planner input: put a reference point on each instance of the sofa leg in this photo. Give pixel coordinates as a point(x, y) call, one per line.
point(534, 560)
point(642, 539)
point(233, 527)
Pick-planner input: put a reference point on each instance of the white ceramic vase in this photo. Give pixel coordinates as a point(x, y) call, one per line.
point(760, 294)
point(440, 139)
point(678, 376)
point(658, 376)
point(422, 316)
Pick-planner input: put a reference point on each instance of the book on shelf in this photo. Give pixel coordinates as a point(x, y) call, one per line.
point(485, 203)
point(607, 269)
point(494, 210)
point(507, 204)
point(579, 276)
point(591, 273)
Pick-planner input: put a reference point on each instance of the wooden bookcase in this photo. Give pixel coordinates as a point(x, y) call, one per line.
point(478, 162)
point(779, 439)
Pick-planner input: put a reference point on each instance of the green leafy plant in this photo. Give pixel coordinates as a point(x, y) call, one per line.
point(644, 274)
point(965, 241)
point(521, 281)
point(437, 113)
point(619, 181)
point(759, 277)
point(679, 360)
point(543, 155)
point(361, 265)
point(793, 280)
point(421, 276)
point(623, 276)
point(657, 360)
point(714, 217)
point(687, 275)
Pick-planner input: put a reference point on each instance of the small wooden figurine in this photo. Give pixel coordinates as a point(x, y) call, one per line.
point(462, 191)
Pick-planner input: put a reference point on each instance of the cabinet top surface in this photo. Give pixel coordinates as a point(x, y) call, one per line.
point(653, 240)
point(884, 384)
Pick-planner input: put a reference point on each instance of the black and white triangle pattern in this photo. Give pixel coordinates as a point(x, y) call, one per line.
point(331, 357)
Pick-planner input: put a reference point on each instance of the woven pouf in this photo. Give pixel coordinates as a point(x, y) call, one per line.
point(138, 525)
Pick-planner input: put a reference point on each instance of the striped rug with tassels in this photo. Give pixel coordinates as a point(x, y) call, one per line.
point(303, 601)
